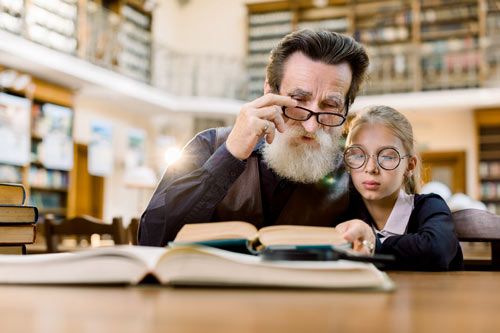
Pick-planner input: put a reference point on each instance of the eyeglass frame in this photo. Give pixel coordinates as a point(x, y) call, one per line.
point(367, 156)
point(317, 114)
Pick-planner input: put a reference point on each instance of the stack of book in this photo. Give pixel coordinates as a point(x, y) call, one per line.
point(17, 221)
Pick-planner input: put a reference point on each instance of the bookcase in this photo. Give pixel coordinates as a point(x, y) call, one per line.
point(449, 33)
point(267, 24)
point(385, 29)
point(488, 134)
point(47, 184)
point(115, 34)
point(491, 53)
point(414, 45)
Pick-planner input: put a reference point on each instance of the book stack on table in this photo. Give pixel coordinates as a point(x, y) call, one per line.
point(17, 221)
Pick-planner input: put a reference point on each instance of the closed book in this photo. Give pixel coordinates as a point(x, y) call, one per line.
point(12, 194)
point(12, 249)
point(186, 265)
point(12, 214)
point(17, 234)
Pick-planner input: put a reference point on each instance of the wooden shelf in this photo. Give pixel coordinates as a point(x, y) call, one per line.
point(426, 36)
point(490, 200)
point(452, 3)
point(52, 210)
point(49, 189)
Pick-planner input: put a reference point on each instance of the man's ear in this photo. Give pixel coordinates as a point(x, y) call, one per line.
point(267, 88)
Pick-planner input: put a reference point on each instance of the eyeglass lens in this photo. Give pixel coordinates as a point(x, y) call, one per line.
point(387, 158)
point(302, 114)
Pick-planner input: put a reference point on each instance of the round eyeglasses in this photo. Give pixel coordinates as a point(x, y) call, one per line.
point(387, 158)
point(300, 113)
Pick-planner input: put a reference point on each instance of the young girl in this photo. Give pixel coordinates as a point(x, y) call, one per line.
point(385, 171)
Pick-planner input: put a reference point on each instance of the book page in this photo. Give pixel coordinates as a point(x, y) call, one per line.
point(215, 230)
point(197, 265)
point(117, 264)
point(299, 235)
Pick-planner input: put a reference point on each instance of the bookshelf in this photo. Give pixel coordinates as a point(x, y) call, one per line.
point(385, 29)
point(114, 34)
point(267, 24)
point(488, 134)
point(449, 33)
point(47, 185)
point(491, 53)
point(414, 45)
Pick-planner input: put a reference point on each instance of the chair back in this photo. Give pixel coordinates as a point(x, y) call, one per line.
point(81, 226)
point(132, 230)
point(475, 225)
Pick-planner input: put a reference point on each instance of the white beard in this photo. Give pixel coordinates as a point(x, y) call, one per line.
point(299, 161)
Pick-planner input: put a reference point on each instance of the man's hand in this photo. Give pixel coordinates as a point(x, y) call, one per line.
point(256, 119)
point(359, 234)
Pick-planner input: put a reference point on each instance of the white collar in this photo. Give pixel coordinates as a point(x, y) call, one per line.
point(397, 222)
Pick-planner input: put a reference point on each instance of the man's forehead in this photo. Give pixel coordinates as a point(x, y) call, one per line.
point(300, 71)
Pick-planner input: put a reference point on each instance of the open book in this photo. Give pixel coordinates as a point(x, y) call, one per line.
point(185, 265)
point(225, 234)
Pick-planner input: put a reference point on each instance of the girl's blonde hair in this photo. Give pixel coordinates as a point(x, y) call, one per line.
point(401, 127)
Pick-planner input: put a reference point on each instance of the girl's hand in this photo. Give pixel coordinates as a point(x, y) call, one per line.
point(359, 234)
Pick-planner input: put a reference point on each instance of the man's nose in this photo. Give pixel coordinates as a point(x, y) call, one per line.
point(311, 125)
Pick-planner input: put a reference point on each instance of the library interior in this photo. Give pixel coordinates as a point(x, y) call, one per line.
point(99, 97)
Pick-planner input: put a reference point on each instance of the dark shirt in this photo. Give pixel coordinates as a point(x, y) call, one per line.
point(430, 244)
point(191, 188)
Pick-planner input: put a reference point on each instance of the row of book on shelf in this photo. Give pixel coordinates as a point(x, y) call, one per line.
point(17, 220)
point(489, 169)
point(490, 190)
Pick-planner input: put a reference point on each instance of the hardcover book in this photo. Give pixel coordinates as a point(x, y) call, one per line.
point(13, 214)
point(12, 194)
point(237, 233)
point(17, 234)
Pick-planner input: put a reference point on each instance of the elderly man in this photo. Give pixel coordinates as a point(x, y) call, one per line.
point(281, 162)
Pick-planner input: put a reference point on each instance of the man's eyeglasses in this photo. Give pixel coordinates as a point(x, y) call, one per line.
point(387, 158)
point(300, 113)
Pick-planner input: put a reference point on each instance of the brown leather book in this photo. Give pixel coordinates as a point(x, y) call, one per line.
point(17, 234)
point(12, 194)
point(12, 214)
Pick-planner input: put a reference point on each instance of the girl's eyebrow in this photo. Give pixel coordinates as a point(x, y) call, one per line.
point(377, 150)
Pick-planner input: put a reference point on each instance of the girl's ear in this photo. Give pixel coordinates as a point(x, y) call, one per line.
point(412, 164)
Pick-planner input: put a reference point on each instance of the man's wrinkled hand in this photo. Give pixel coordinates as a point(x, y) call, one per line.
point(255, 120)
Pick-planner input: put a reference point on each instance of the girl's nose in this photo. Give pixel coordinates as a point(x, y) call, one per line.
point(371, 164)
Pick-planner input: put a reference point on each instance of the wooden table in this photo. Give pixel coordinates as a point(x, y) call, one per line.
point(423, 302)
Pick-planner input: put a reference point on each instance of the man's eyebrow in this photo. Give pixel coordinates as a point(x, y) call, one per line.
point(336, 97)
point(299, 92)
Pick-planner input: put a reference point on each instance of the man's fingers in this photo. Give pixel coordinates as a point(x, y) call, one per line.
point(270, 132)
point(273, 114)
point(272, 99)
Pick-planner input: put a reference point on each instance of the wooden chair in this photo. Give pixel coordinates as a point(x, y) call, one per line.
point(81, 226)
point(132, 230)
point(474, 225)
